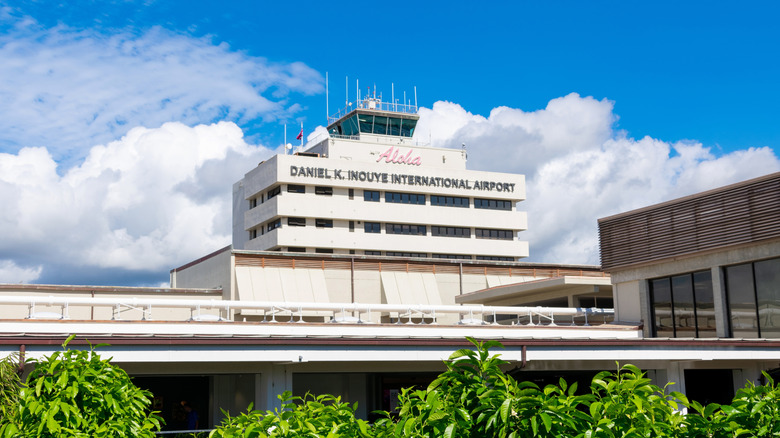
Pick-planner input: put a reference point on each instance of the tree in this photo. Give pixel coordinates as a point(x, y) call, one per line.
point(75, 393)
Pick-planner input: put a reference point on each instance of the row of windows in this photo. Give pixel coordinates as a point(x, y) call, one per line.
point(291, 188)
point(409, 229)
point(410, 254)
point(394, 197)
point(405, 198)
point(413, 229)
point(450, 201)
point(683, 305)
point(485, 233)
point(450, 231)
point(492, 204)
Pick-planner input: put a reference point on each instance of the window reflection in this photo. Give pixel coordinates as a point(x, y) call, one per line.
point(683, 306)
point(742, 301)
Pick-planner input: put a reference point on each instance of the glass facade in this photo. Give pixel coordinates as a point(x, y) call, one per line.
point(683, 306)
point(753, 293)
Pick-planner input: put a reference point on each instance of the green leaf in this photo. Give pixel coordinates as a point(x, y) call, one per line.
point(505, 408)
point(546, 420)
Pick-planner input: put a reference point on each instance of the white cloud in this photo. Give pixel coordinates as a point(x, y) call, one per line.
point(10, 272)
point(148, 202)
point(69, 89)
point(579, 168)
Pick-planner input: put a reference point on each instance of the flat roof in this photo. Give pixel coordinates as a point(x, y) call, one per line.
point(532, 287)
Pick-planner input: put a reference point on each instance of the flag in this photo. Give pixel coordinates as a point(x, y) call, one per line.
point(300, 135)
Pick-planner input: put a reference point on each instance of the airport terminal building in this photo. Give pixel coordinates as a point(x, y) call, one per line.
point(360, 263)
point(368, 188)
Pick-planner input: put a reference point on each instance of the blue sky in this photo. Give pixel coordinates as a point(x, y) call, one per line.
point(124, 123)
point(699, 70)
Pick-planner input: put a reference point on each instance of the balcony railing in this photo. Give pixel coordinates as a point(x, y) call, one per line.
point(358, 313)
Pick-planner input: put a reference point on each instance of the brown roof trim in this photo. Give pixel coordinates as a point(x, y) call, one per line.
point(202, 259)
point(104, 289)
point(413, 342)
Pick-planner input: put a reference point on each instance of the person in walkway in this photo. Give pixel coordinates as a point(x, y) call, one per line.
point(192, 416)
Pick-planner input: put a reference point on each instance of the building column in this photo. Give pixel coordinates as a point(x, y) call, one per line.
point(719, 298)
point(272, 381)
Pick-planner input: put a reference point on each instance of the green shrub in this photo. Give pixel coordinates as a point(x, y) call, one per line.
point(75, 393)
point(10, 385)
point(309, 416)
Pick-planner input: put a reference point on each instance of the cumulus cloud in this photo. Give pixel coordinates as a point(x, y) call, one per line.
point(579, 168)
point(152, 200)
point(69, 89)
point(10, 272)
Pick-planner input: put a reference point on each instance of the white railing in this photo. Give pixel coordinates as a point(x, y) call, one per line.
point(296, 311)
point(374, 104)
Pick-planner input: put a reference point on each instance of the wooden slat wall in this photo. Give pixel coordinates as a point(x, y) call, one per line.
point(737, 214)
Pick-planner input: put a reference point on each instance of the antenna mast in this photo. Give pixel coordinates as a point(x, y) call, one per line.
point(415, 97)
point(327, 110)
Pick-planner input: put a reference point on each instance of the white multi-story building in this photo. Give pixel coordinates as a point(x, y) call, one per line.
point(368, 188)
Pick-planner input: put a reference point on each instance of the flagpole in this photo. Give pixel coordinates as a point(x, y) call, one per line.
point(285, 139)
point(301, 134)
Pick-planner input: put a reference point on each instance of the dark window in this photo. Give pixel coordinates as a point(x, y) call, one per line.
point(492, 204)
point(253, 234)
point(753, 291)
point(599, 302)
point(351, 193)
point(371, 195)
point(324, 250)
point(418, 230)
point(767, 274)
point(372, 227)
point(450, 201)
point(374, 253)
point(351, 251)
point(296, 188)
point(405, 198)
point(485, 233)
point(366, 123)
point(295, 249)
point(450, 231)
point(351, 226)
point(322, 190)
point(324, 223)
point(273, 192)
point(406, 254)
point(496, 258)
point(274, 224)
point(252, 203)
point(683, 306)
point(296, 221)
point(380, 125)
point(452, 256)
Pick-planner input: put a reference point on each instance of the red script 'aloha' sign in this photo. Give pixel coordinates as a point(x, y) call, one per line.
point(395, 156)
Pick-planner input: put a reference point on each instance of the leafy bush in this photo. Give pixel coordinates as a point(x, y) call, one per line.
point(310, 416)
point(77, 394)
point(10, 385)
